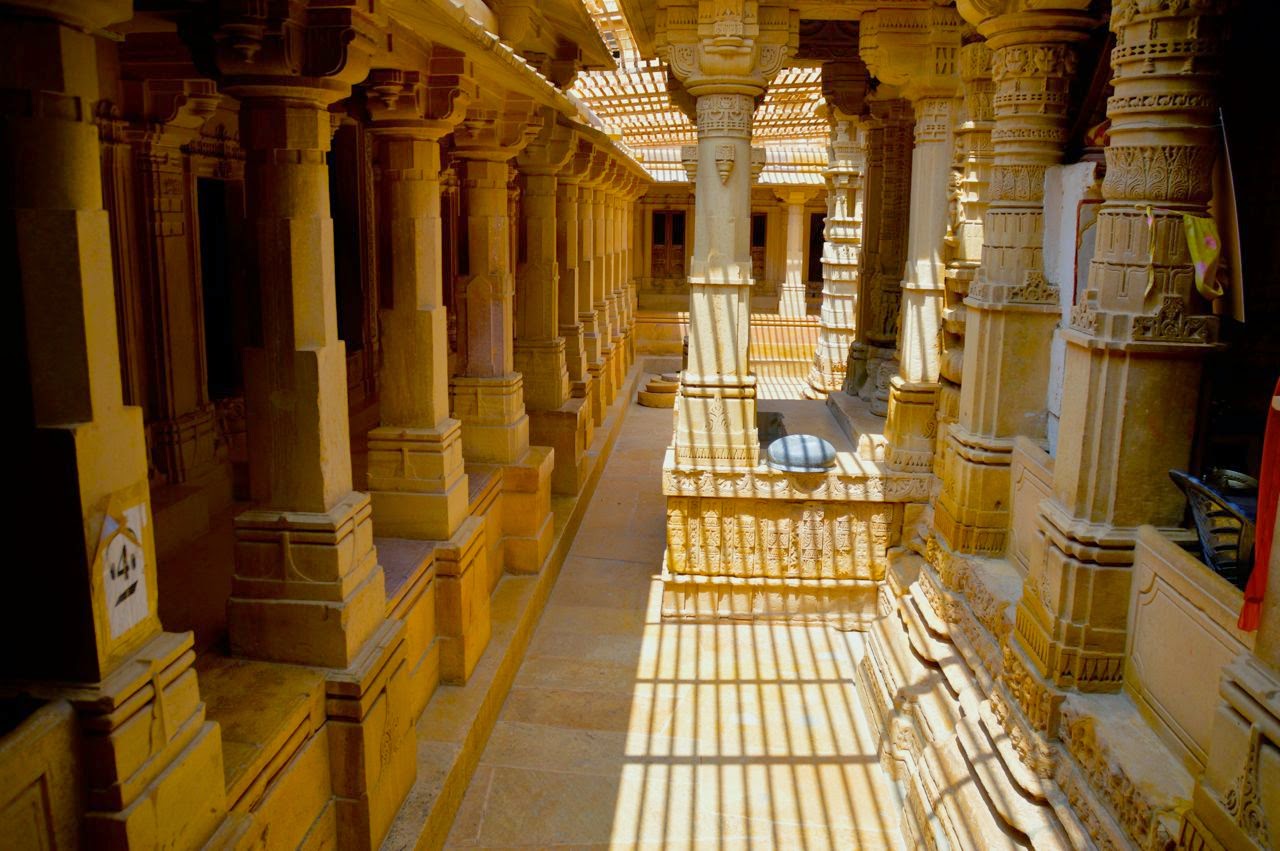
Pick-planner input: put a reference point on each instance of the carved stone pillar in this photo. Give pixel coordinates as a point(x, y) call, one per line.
point(600, 273)
point(1012, 308)
point(84, 532)
point(791, 295)
point(873, 357)
point(539, 349)
point(844, 84)
point(416, 477)
point(595, 333)
point(918, 49)
point(1134, 355)
point(613, 277)
point(165, 114)
point(724, 54)
point(570, 306)
point(489, 397)
point(970, 177)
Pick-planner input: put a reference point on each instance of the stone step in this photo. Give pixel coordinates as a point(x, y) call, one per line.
point(864, 429)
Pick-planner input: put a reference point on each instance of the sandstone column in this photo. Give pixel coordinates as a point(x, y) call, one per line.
point(918, 51)
point(307, 587)
point(1134, 354)
point(416, 477)
point(970, 177)
point(873, 357)
point(1012, 308)
point(791, 295)
point(595, 332)
point(568, 253)
point(489, 396)
point(613, 276)
point(844, 85)
point(600, 273)
point(84, 533)
point(724, 62)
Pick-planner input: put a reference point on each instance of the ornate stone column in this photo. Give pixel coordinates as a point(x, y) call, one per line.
point(595, 332)
point(873, 357)
point(917, 49)
point(970, 177)
point(724, 55)
point(1012, 309)
point(613, 276)
point(600, 272)
point(791, 295)
point(84, 531)
point(539, 349)
point(488, 397)
point(416, 478)
point(1134, 354)
point(308, 588)
point(570, 306)
point(164, 115)
point(844, 85)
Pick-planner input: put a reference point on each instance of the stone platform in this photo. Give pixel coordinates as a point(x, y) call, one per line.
point(763, 544)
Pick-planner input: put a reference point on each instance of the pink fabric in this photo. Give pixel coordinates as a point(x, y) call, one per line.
point(1268, 495)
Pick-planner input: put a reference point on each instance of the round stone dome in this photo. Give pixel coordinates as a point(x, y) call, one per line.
point(801, 453)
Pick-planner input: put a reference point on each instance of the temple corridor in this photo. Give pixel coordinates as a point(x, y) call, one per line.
point(627, 730)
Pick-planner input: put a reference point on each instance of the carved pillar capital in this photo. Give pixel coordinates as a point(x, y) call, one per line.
point(497, 127)
point(845, 83)
point(915, 49)
point(733, 47)
point(549, 151)
point(299, 51)
point(428, 104)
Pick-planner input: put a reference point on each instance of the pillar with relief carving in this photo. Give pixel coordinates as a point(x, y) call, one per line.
point(724, 62)
point(489, 396)
point(595, 333)
point(918, 51)
point(1134, 355)
point(1011, 309)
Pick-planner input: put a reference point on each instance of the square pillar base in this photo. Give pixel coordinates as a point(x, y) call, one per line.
point(307, 587)
point(568, 431)
point(599, 389)
point(372, 755)
point(911, 428)
point(152, 763)
point(495, 428)
point(528, 523)
point(462, 601)
point(416, 481)
point(973, 510)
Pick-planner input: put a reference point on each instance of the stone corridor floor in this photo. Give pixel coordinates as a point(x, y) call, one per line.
point(624, 731)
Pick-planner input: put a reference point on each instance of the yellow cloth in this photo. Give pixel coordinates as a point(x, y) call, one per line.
point(1206, 249)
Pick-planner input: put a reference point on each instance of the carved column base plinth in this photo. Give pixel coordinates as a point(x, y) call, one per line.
point(599, 389)
point(1072, 618)
point(973, 510)
point(462, 601)
point(568, 431)
point(575, 356)
point(186, 448)
point(716, 427)
point(542, 365)
point(152, 763)
point(371, 738)
point(307, 587)
point(947, 414)
point(1234, 800)
point(416, 481)
point(791, 301)
point(911, 426)
point(527, 520)
point(495, 427)
point(831, 359)
point(882, 366)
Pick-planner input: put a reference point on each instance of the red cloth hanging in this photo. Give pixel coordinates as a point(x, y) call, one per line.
point(1268, 495)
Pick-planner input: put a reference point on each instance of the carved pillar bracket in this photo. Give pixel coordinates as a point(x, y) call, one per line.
point(724, 54)
point(918, 50)
point(1135, 348)
point(844, 85)
point(416, 477)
